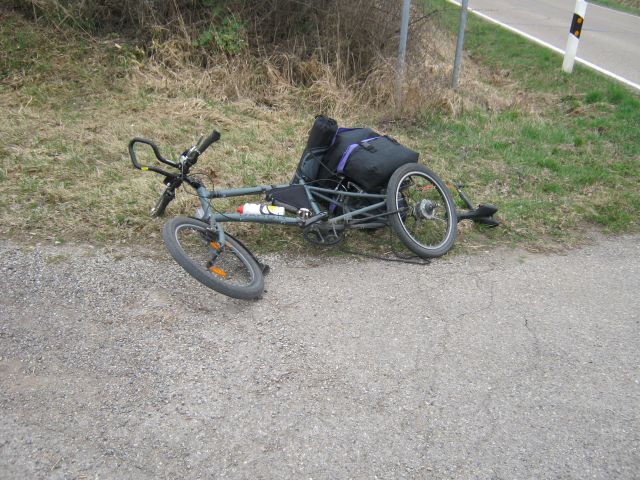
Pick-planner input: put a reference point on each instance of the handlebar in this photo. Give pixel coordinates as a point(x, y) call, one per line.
point(172, 180)
point(156, 151)
point(204, 143)
point(191, 155)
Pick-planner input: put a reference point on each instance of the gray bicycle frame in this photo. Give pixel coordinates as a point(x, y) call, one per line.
point(331, 196)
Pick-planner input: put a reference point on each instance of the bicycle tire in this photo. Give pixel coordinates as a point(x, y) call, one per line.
point(421, 211)
point(230, 269)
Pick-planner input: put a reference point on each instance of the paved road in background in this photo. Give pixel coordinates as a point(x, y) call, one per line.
point(502, 365)
point(610, 39)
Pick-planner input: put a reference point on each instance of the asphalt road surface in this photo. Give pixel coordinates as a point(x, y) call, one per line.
point(610, 39)
point(503, 365)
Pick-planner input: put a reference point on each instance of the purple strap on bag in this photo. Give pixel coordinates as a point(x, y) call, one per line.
point(348, 152)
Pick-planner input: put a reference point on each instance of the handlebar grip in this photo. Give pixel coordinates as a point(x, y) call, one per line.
point(204, 143)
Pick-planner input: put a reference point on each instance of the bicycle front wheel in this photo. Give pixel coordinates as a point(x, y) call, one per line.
point(228, 269)
point(421, 211)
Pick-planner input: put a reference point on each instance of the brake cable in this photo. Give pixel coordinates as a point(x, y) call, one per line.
point(410, 259)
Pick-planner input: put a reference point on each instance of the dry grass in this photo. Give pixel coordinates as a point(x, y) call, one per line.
point(284, 82)
point(317, 53)
point(73, 102)
point(64, 171)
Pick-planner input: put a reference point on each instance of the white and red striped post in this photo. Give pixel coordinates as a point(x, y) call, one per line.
point(574, 35)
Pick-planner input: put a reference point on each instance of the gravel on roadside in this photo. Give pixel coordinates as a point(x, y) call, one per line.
point(116, 364)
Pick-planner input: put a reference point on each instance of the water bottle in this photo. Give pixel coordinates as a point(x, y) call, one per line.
point(259, 209)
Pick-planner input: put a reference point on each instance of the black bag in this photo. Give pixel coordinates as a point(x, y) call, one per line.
point(344, 139)
point(322, 133)
point(360, 154)
point(321, 136)
point(372, 161)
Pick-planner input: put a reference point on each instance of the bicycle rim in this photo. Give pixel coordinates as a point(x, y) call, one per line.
point(228, 269)
point(424, 211)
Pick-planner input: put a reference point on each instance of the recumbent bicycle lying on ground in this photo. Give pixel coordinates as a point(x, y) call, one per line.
point(346, 178)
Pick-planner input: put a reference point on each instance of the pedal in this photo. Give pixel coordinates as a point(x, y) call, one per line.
point(265, 268)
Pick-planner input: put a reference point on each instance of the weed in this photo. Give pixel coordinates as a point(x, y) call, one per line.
point(229, 37)
point(594, 97)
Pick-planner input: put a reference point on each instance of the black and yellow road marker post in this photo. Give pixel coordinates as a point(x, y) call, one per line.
point(574, 35)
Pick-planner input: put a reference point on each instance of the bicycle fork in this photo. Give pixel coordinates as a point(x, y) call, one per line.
point(204, 213)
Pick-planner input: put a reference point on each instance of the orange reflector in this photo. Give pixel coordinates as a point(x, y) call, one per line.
point(218, 271)
point(215, 246)
point(424, 188)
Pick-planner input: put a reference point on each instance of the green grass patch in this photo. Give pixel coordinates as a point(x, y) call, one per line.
point(629, 6)
point(550, 161)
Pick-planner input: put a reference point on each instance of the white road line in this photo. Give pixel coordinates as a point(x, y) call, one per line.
point(552, 47)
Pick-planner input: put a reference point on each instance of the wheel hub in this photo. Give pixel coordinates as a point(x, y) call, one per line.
point(425, 210)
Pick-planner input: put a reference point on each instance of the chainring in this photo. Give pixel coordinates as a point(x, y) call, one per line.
point(323, 235)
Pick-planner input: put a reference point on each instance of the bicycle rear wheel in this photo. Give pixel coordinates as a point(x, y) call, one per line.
point(421, 211)
point(228, 269)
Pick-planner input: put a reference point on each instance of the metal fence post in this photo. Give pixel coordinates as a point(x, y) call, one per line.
point(402, 50)
point(458, 60)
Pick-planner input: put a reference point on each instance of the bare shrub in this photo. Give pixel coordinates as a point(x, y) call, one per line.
point(335, 56)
